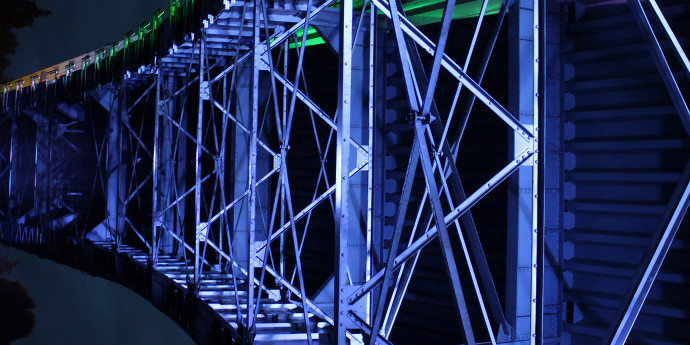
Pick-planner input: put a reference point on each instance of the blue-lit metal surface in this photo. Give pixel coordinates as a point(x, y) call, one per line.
point(258, 193)
point(622, 124)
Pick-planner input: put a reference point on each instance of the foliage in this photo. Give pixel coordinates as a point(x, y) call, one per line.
point(15, 14)
point(16, 318)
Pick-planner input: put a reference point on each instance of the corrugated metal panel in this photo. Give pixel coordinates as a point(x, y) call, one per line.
point(625, 151)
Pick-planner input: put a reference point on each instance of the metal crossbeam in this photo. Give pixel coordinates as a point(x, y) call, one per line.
point(449, 218)
point(227, 100)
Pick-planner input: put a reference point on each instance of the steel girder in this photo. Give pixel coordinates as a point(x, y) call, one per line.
point(227, 111)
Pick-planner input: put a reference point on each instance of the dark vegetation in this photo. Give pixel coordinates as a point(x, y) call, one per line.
point(14, 14)
point(16, 317)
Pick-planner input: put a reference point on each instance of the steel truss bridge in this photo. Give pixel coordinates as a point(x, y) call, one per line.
point(373, 172)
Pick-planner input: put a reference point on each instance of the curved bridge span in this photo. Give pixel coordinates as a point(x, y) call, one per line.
point(210, 316)
point(370, 172)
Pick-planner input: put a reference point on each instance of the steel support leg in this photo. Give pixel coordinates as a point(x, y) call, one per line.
point(253, 137)
point(342, 184)
point(113, 100)
point(522, 188)
point(12, 189)
point(199, 143)
point(156, 215)
point(180, 182)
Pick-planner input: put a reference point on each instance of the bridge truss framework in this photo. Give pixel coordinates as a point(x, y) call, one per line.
point(198, 172)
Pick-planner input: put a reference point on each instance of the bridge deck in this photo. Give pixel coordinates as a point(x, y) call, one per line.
point(278, 322)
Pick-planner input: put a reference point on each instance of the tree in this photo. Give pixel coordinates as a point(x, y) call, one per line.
point(15, 14)
point(16, 318)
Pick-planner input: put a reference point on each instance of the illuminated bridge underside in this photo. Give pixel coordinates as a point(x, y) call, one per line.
point(330, 172)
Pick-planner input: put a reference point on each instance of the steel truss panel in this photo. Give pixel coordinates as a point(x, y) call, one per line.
point(209, 182)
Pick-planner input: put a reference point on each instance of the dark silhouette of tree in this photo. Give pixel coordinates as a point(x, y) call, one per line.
point(16, 318)
point(14, 14)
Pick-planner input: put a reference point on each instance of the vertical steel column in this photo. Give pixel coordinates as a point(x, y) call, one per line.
point(360, 131)
point(156, 216)
point(240, 228)
point(197, 160)
point(360, 193)
point(523, 186)
point(166, 162)
point(41, 162)
point(162, 173)
point(536, 292)
point(222, 221)
point(47, 217)
point(342, 169)
point(122, 147)
point(115, 169)
point(377, 150)
point(552, 175)
point(256, 62)
point(286, 48)
point(372, 150)
point(13, 200)
point(180, 183)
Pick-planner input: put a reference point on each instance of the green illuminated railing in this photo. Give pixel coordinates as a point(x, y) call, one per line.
point(147, 38)
point(419, 12)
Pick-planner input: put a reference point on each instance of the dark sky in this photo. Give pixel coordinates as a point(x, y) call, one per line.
point(76, 27)
point(72, 307)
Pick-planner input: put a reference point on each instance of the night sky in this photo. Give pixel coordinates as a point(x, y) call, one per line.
point(73, 307)
point(76, 27)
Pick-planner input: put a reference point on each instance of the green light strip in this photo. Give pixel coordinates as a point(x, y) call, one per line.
point(420, 12)
point(434, 10)
point(313, 38)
